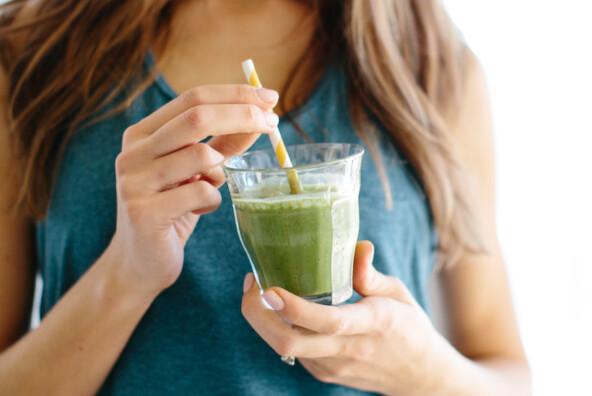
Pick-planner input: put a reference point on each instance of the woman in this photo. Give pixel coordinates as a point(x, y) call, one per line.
point(108, 174)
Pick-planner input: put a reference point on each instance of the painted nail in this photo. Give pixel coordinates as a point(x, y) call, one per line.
point(249, 280)
point(268, 95)
point(272, 119)
point(274, 300)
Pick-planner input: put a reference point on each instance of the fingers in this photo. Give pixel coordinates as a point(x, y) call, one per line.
point(231, 145)
point(369, 282)
point(262, 98)
point(197, 123)
point(139, 177)
point(215, 176)
point(199, 197)
point(349, 319)
point(363, 269)
point(182, 165)
point(279, 334)
point(162, 152)
point(366, 316)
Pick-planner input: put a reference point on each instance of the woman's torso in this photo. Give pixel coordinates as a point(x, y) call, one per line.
point(193, 339)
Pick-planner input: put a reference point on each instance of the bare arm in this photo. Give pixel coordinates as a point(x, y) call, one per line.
point(481, 319)
point(385, 342)
point(78, 342)
point(165, 180)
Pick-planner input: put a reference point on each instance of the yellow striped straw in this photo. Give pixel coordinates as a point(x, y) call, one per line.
point(276, 139)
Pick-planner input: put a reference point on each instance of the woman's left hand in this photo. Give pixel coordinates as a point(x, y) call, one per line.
point(383, 343)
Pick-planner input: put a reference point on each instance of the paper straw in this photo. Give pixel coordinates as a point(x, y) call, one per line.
point(276, 139)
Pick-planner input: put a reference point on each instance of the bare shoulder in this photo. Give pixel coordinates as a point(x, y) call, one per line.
point(472, 135)
point(475, 89)
point(472, 129)
point(477, 294)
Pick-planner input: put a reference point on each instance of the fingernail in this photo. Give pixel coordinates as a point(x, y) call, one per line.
point(268, 95)
point(274, 300)
point(249, 280)
point(272, 119)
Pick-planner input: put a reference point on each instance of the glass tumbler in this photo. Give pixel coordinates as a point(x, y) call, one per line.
point(301, 242)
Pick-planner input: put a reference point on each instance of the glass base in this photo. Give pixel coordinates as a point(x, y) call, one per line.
point(333, 298)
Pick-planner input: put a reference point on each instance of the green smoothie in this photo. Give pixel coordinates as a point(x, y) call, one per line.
point(304, 243)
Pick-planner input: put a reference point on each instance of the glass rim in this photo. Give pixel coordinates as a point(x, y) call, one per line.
point(359, 150)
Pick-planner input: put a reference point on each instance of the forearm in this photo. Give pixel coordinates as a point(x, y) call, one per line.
point(458, 375)
point(78, 342)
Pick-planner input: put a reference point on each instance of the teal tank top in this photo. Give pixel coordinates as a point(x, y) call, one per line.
point(193, 339)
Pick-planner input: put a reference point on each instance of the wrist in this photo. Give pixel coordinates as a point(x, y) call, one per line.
point(455, 374)
point(446, 367)
point(118, 284)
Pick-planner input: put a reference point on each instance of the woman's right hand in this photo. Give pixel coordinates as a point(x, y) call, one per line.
point(167, 176)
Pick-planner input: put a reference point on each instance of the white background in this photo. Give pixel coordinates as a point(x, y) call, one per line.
point(538, 59)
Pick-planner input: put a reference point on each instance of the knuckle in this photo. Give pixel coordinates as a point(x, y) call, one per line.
point(216, 176)
point(196, 116)
point(207, 194)
point(293, 314)
point(159, 180)
point(194, 96)
point(121, 163)
point(252, 113)
point(286, 346)
point(336, 325)
point(125, 174)
point(202, 153)
point(243, 93)
point(125, 163)
point(123, 186)
point(129, 135)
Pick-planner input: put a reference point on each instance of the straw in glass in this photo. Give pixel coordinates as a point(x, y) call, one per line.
point(276, 139)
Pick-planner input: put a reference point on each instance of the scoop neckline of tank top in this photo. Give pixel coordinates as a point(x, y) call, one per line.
point(314, 97)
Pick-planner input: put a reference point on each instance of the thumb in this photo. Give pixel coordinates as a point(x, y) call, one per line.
point(370, 282)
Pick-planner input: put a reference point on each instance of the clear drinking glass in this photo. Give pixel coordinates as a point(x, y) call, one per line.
point(304, 242)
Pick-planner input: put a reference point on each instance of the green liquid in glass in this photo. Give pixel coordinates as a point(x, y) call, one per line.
point(303, 243)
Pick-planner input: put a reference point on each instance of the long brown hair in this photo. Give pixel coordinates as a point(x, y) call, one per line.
point(405, 60)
